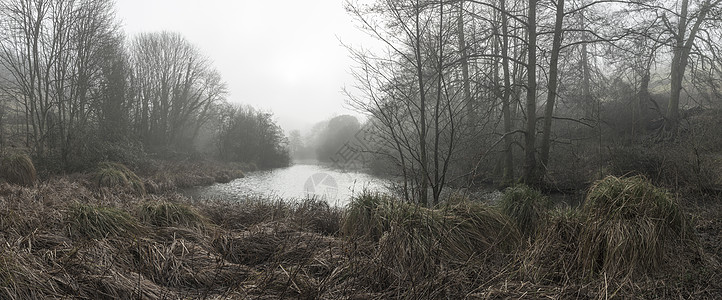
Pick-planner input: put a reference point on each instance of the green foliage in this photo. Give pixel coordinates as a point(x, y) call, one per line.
point(115, 175)
point(169, 214)
point(526, 206)
point(628, 225)
point(18, 168)
point(99, 222)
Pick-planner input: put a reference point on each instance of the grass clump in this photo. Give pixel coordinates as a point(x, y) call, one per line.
point(628, 225)
point(169, 214)
point(316, 215)
point(115, 175)
point(407, 248)
point(367, 216)
point(457, 232)
point(99, 222)
point(552, 257)
point(18, 168)
point(526, 206)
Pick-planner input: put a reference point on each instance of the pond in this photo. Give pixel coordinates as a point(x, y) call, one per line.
point(298, 181)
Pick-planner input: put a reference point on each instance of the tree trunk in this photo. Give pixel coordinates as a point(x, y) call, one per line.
point(587, 105)
point(680, 59)
point(552, 90)
point(423, 193)
point(470, 116)
point(508, 176)
point(530, 135)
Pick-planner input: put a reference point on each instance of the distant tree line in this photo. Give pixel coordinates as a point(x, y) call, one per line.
point(325, 139)
point(75, 90)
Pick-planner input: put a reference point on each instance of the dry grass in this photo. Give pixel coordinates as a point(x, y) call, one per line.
point(17, 168)
point(526, 206)
point(366, 216)
point(115, 175)
point(627, 230)
point(552, 258)
point(162, 213)
point(406, 248)
point(61, 239)
point(99, 222)
point(170, 176)
point(628, 225)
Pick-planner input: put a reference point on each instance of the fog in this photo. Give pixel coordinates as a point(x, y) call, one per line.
point(282, 56)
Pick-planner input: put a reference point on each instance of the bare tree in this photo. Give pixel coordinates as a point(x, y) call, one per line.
point(409, 92)
point(684, 38)
point(175, 88)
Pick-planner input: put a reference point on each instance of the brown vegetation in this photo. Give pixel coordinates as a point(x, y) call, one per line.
point(116, 175)
point(62, 239)
point(163, 176)
point(17, 168)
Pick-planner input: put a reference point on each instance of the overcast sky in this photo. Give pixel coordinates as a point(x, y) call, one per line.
point(280, 55)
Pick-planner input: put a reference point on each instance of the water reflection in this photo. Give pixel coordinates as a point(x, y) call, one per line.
point(295, 182)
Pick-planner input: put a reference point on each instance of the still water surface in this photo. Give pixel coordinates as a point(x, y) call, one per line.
point(295, 182)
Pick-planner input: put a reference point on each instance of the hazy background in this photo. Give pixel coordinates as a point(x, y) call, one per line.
point(284, 56)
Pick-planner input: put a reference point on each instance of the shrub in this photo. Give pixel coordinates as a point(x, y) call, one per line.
point(168, 214)
point(18, 168)
point(100, 222)
point(115, 175)
point(628, 225)
point(526, 206)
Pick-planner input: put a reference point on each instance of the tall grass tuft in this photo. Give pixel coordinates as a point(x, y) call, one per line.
point(526, 206)
point(18, 168)
point(628, 225)
point(408, 250)
point(317, 215)
point(115, 175)
point(411, 238)
point(97, 222)
point(552, 257)
point(169, 214)
point(367, 216)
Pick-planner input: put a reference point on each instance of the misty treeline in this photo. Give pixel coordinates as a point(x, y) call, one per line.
point(75, 90)
point(551, 93)
point(324, 140)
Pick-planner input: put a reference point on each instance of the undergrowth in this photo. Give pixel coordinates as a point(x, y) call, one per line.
point(61, 239)
point(17, 168)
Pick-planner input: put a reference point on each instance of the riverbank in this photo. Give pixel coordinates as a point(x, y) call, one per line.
point(64, 238)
